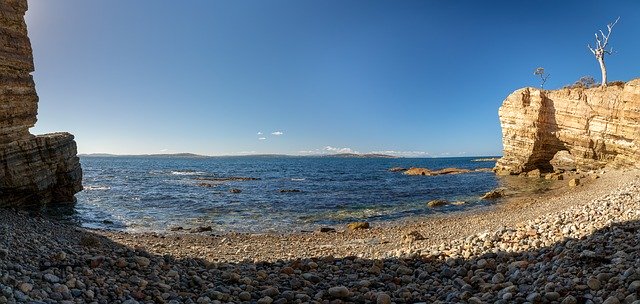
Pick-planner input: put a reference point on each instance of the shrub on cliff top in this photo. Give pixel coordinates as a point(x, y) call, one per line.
point(584, 82)
point(617, 83)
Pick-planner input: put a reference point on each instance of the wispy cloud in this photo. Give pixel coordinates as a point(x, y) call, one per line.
point(164, 150)
point(260, 133)
point(331, 149)
point(277, 133)
point(262, 138)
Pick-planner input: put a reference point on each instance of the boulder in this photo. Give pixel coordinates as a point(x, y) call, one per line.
point(574, 182)
point(493, 194)
point(412, 237)
point(554, 176)
point(564, 161)
point(534, 173)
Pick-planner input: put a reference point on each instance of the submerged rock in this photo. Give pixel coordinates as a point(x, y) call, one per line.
point(227, 179)
point(234, 190)
point(437, 203)
point(201, 229)
point(290, 191)
point(358, 225)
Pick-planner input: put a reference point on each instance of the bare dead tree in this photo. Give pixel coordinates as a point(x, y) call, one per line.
point(602, 41)
point(543, 76)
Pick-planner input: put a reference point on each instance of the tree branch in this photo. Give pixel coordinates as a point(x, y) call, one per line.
point(609, 27)
point(609, 52)
point(598, 41)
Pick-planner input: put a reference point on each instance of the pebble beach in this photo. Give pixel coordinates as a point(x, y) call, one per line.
point(570, 245)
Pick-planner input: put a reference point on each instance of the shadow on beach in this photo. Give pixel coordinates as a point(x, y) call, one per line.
point(47, 260)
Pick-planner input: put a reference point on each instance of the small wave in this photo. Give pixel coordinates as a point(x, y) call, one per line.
point(89, 188)
point(298, 179)
point(188, 172)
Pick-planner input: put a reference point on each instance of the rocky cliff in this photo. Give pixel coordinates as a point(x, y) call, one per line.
point(34, 170)
point(594, 128)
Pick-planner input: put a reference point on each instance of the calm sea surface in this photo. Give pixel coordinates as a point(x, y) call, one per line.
point(153, 194)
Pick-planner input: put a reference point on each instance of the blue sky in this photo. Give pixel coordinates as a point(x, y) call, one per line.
point(416, 77)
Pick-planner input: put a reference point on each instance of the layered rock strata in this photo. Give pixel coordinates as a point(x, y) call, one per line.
point(34, 170)
point(597, 127)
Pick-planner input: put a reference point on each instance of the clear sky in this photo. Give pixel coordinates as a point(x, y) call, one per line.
point(207, 76)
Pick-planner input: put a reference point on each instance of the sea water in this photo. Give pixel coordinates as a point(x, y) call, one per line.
point(156, 193)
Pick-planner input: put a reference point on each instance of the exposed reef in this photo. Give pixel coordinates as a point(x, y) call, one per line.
point(597, 127)
point(34, 170)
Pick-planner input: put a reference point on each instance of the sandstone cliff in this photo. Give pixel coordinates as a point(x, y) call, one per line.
point(34, 170)
point(598, 127)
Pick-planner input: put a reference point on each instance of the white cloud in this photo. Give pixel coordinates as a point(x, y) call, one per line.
point(259, 133)
point(331, 149)
point(164, 150)
point(277, 133)
point(262, 138)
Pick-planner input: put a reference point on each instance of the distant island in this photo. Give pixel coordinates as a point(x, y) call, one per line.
point(177, 155)
point(354, 155)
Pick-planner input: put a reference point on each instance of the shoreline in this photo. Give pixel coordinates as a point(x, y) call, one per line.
point(570, 245)
point(384, 239)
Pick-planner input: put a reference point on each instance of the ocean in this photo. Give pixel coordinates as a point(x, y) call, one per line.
point(276, 194)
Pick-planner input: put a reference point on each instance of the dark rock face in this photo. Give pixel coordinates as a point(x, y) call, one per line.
point(34, 170)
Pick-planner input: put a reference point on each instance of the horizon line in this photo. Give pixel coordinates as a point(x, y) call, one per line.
point(282, 154)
